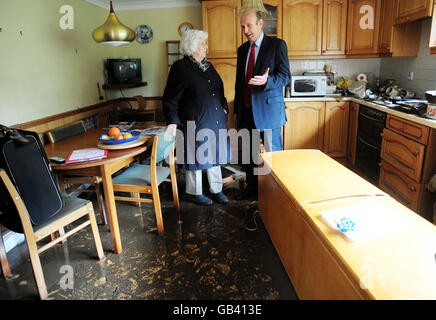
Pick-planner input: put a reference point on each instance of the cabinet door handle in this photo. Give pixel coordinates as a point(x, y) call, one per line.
point(413, 189)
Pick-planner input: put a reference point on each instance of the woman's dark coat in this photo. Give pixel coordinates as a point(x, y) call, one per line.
point(198, 97)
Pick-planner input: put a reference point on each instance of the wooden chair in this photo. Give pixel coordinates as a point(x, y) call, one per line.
point(68, 184)
point(6, 271)
point(139, 178)
point(74, 209)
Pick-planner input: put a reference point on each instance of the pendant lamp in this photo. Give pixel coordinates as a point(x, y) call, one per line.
point(248, 5)
point(113, 32)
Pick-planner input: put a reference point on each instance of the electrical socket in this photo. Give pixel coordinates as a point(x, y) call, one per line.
point(410, 75)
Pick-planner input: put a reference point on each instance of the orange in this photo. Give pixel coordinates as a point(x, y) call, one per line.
point(127, 135)
point(114, 131)
point(119, 137)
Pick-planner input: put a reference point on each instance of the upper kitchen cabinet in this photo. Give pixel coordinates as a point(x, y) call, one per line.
point(334, 27)
point(221, 21)
point(302, 27)
point(410, 10)
point(315, 27)
point(363, 27)
point(386, 28)
point(402, 40)
point(272, 22)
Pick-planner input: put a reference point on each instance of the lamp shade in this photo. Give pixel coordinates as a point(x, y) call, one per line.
point(113, 32)
point(248, 5)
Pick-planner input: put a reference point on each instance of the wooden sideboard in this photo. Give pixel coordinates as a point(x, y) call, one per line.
point(321, 262)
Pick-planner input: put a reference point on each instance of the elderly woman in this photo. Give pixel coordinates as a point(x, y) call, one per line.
point(194, 100)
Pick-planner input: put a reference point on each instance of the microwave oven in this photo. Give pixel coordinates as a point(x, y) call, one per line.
point(303, 86)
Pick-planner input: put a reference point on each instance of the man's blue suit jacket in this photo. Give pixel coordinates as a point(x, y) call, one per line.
point(268, 105)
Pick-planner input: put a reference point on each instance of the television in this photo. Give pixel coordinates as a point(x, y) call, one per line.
point(123, 71)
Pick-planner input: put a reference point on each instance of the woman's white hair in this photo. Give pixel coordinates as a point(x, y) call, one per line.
point(190, 41)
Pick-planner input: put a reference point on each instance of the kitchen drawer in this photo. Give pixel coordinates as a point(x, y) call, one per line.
point(408, 129)
point(404, 154)
point(399, 186)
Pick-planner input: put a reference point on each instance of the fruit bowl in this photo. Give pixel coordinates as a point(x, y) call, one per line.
point(106, 139)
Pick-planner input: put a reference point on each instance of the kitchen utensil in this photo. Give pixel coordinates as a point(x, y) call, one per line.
point(392, 91)
point(431, 96)
point(358, 88)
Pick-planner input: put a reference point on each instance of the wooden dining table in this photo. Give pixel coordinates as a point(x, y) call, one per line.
point(104, 168)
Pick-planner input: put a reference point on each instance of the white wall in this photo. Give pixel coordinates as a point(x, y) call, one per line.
point(423, 66)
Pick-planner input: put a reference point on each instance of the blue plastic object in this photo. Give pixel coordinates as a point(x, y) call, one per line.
point(346, 225)
point(135, 135)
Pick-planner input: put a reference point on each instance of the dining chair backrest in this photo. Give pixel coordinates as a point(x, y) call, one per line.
point(165, 145)
point(67, 131)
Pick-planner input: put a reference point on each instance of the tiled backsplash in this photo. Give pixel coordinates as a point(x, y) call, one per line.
point(348, 68)
point(423, 66)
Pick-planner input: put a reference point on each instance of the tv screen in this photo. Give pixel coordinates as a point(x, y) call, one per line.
point(123, 71)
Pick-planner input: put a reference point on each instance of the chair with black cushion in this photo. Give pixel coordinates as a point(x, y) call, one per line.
point(140, 178)
point(73, 210)
point(70, 184)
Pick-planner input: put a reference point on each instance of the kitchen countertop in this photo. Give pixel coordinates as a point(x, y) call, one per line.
point(395, 263)
point(411, 117)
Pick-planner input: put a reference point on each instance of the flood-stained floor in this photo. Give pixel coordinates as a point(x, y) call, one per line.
point(205, 253)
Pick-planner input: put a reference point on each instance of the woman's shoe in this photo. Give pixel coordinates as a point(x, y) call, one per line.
point(201, 200)
point(220, 198)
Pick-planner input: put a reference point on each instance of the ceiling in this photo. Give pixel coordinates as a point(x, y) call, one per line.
point(144, 4)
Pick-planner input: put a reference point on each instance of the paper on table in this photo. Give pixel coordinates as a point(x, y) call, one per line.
point(153, 130)
point(87, 154)
point(372, 219)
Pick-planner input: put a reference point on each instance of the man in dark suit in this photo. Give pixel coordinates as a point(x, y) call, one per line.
point(262, 72)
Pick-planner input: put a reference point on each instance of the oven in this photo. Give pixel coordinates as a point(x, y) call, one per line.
point(369, 140)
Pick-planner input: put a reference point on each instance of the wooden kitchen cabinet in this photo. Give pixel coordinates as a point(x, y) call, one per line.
point(401, 187)
point(408, 162)
point(226, 68)
point(411, 10)
point(302, 26)
point(402, 40)
point(334, 27)
point(317, 125)
point(409, 129)
point(387, 26)
point(273, 20)
point(352, 132)
point(221, 21)
point(362, 30)
point(315, 27)
point(336, 129)
point(305, 126)
point(404, 154)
